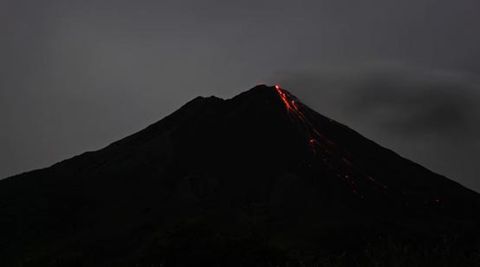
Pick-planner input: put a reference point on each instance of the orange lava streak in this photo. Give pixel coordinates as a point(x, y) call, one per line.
point(318, 141)
point(283, 96)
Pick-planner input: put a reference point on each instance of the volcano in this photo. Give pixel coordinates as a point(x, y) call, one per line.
point(256, 180)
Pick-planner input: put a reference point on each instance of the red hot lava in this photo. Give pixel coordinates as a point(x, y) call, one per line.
point(334, 157)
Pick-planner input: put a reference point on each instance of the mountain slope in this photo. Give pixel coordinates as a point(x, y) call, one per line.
point(258, 175)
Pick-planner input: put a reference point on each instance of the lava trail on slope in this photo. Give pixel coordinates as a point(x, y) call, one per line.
point(324, 149)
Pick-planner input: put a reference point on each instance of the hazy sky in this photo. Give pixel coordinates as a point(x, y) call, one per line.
point(78, 75)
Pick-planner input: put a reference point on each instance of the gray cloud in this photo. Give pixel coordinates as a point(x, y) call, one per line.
point(421, 106)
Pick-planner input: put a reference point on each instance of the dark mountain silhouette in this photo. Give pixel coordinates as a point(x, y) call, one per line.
point(259, 179)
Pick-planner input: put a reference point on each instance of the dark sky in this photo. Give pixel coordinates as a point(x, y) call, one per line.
point(77, 75)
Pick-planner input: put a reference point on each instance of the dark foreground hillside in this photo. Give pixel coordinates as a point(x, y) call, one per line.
point(256, 180)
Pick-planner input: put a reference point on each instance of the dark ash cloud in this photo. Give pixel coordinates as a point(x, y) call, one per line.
point(420, 106)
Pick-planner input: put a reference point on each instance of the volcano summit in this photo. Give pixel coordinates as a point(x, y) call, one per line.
point(256, 180)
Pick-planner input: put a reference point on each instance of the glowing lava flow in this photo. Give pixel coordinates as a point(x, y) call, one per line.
point(284, 98)
point(315, 139)
point(333, 157)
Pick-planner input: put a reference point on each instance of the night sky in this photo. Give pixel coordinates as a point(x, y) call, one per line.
point(78, 75)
